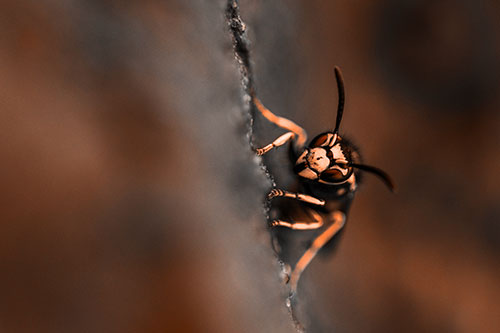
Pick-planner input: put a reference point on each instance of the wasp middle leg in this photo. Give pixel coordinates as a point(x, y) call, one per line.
point(298, 196)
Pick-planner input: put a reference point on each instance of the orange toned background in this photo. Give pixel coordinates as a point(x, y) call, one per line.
point(131, 201)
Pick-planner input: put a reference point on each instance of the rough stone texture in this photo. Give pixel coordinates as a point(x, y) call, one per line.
point(131, 199)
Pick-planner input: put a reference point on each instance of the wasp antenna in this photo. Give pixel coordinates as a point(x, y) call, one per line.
point(340, 109)
point(378, 172)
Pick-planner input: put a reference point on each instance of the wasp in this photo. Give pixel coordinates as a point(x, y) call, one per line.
point(328, 172)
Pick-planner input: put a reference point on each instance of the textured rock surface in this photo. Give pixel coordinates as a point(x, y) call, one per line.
point(131, 199)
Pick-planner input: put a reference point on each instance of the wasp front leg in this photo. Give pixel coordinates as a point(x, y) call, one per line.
point(299, 196)
point(276, 143)
point(338, 221)
point(282, 122)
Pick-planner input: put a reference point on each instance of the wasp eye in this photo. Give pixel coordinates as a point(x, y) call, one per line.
point(319, 140)
point(323, 140)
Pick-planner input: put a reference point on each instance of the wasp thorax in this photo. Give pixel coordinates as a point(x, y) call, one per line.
point(317, 159)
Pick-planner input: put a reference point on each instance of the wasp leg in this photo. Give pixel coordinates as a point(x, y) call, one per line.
point(282, 122)
point(276, 143)
point(315, 224)
point(299, 196)
point(338, 222)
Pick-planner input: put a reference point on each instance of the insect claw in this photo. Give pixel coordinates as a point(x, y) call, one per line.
point(274, 193)
point(274, 223)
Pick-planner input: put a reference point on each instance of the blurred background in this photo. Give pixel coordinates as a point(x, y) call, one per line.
point(131, 200)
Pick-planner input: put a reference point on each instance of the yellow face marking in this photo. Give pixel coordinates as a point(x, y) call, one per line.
point(318, 160)
point(338, 154)
point(339, 157)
